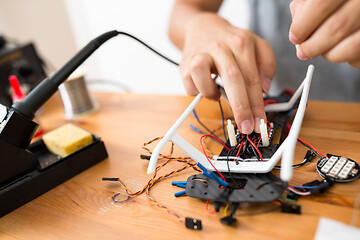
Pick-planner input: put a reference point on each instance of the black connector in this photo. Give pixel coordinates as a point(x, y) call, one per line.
point(293, 196)
point(290, 208)
point(146, 157)
point(193, 223)
point(323, 186)
point(234, 207)
point(229, 220)
point(312, 183)
point(311, 157)
point(217, 206)
point(110, 179)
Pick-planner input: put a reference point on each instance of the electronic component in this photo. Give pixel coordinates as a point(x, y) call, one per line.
point(338, 168)
point(264, 133)
point(23, 61)
point(193, 223)
point(284, 150)
point(228, 220)
point(231, 133)
point(290, 208)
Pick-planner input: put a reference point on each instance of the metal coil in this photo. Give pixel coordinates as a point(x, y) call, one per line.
point(76, 98)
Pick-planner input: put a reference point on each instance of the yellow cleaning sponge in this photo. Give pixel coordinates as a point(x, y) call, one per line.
point(67, 139)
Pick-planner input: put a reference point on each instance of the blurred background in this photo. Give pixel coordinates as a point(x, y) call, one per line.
point(59, 28)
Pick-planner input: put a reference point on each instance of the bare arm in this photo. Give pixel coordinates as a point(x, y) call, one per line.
point(184, 10)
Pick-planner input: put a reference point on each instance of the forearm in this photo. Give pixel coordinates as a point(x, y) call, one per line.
point(183, 11)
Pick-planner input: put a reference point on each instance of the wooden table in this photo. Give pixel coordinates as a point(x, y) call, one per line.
point(82, 208)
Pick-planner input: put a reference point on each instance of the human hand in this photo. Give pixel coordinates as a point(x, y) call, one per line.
point(329, 28)
point(244, 62)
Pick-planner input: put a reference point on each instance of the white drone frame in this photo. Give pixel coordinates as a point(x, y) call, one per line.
point(286, 149)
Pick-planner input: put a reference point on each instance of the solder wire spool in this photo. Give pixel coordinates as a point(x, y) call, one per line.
point(76, 97)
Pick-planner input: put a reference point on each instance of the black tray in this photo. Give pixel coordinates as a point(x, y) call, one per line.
point(48, 173)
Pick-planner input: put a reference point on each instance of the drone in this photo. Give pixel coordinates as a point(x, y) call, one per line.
point(284, 151)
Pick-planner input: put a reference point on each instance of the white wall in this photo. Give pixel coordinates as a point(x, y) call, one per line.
point(43, 22)
point(123, 59)
point(61, 27)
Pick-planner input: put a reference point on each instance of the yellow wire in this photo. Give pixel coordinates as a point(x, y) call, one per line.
point(226, 208)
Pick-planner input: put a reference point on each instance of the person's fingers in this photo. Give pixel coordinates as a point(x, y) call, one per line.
point(348, 50)
point(186, 78)
point(355, 64)
point(245, 56)
point(266, 62)
point(295, 6)
point(341, 24)
point(200, 70)
point(235, 89)
point(311, 16)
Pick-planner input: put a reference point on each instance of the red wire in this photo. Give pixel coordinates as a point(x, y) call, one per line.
point(289, 91)
point(253, 144)
point(312, 147)
point(238, 153)
point(202, 147)
point(257, 145)
point(208, 135)
point(207, 208)
point(269, 101)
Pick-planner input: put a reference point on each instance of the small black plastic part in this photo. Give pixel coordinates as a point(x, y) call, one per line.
point(311, 157)
point(307, 155)
point(217, 206)
point(110, 179)
point(146, 157)
point(293, 196)
point(312, 183)
point(234, 207)
point(322, 187)
point(229, 220)
point(290, 208)
point(18, 130)
point(193, 223)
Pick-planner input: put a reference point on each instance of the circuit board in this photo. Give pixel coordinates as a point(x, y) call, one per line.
point(277, 133)
point(338, 168)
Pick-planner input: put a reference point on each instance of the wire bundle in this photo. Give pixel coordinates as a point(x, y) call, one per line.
point(154, 179)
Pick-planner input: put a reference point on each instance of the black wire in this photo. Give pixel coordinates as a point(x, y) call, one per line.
point(246, 145)
point(114, 198)
point(207, 129)
point(223, 121)
point(227, 163)
point(317, 154)
point(177, 64)
point(255, 152)
point(147, 46)
point(308, 158)
point(293, 166)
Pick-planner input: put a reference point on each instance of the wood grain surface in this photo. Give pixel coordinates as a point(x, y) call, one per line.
point(82, 208)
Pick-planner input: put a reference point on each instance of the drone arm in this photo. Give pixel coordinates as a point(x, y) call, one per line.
point(287, 159)
point(171, 134)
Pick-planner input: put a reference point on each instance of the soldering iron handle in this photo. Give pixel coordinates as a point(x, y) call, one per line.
point(39, 95)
